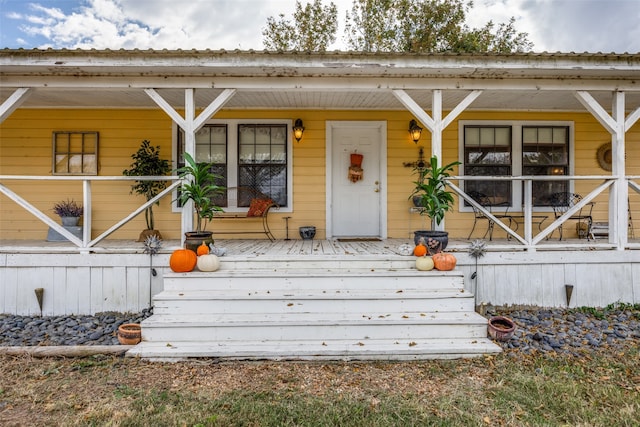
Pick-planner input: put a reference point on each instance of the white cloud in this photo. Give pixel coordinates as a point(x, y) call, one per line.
point(552, 25)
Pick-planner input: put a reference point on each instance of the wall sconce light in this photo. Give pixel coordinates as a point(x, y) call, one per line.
point(298, 130)
point(415, 131)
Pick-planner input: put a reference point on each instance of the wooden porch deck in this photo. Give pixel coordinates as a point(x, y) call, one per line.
point(298, 247)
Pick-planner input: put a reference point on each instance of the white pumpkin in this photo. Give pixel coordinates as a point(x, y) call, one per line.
point(424, 263)
point(208, 262)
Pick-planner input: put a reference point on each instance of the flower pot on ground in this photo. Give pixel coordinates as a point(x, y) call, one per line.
point(129, 334)
point(147, 162)
point(501, 328)
point(433, 199)
point(199, 186)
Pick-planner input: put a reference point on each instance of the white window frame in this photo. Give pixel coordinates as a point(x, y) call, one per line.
point(516, 153)
point(232, 157)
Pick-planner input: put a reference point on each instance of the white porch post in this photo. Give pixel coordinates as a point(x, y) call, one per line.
point(437, 124)
point(189, 147)
point(618, 205)
point(190, 124)
point(619, 192)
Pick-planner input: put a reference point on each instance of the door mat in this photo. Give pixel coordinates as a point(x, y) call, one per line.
point(361, 239)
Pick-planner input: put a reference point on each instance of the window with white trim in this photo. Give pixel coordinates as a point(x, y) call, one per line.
point(250, 157)
point(513, 149)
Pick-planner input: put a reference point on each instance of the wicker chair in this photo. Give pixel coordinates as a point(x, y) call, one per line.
point(563, 202)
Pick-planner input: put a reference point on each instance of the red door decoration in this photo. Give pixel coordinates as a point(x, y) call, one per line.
point(355, 170)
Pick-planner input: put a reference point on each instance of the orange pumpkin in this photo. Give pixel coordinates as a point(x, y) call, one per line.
point(444, 261)
point(203, 249)
point(420, 250)
point(183, 260)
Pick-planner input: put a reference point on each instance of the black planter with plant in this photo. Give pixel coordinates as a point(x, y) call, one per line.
point(147, 162)
point(200, 187)
point(434, 201)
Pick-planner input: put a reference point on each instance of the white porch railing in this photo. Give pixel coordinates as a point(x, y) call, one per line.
point(86, 242)
point(531, 242)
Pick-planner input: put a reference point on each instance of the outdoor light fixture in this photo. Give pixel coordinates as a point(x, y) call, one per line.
point(298, 130)
point(415, 131)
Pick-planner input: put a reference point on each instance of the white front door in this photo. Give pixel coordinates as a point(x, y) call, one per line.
point(356, 207)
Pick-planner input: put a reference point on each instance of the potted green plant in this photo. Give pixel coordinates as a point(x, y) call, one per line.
point(147, 162)
point(434, 201)
point(199, 186)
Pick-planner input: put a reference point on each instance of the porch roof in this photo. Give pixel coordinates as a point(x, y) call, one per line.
point(306, 80)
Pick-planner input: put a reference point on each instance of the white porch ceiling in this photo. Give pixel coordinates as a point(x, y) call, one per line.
point(343, 99)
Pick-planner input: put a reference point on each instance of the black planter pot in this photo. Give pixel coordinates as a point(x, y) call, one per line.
point(193, 239)
point(435, 241)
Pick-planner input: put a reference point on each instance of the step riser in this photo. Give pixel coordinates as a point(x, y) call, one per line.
point(312, 263)
point(311, 306)
point(206, 281)
point(280, 333)
point(324, 350)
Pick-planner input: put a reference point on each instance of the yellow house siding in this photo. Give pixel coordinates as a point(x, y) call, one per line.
point(25, 149)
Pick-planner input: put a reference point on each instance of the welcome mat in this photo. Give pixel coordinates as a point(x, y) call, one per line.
point(361, 239)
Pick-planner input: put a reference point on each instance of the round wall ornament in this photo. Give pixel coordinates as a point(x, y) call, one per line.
point(604, 156)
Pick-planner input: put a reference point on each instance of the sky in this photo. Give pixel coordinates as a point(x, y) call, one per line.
point(552, 25)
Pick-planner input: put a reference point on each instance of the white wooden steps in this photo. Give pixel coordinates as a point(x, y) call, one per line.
point(314, 310)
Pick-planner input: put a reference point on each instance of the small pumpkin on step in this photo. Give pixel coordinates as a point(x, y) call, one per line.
point(424, 263)
point(444, 261)
point(203, 249)
point(208, 262)
point(183, 260)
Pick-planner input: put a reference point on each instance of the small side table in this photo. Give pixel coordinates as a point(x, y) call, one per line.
point(286, 224)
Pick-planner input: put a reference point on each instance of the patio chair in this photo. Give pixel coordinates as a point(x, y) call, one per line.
point(562, 202)
point(484, 201)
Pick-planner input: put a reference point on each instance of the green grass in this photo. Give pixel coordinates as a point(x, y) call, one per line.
point(509, 389)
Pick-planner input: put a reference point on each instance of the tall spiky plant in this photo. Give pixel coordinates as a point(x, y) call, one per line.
point(430, 186)
point(199, 186)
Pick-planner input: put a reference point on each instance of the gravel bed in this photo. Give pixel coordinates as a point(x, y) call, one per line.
point(574, 332)
point(538, 330)
point(65, 330)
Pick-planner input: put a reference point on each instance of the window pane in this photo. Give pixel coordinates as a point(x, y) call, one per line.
point(471, 136)
point(545, 151)
point(545, 135)
point(503, 137)
point(75, 153)
point(488, 153)
point(560, 135)
point(262, 161)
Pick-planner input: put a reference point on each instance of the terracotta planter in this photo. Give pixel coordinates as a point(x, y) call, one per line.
point(129, 334)
point(501, 328)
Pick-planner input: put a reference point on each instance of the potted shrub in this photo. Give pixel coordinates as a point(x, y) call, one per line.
point(147, 162)
point(69, 212)
point(199, 186)
point(434, 201)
